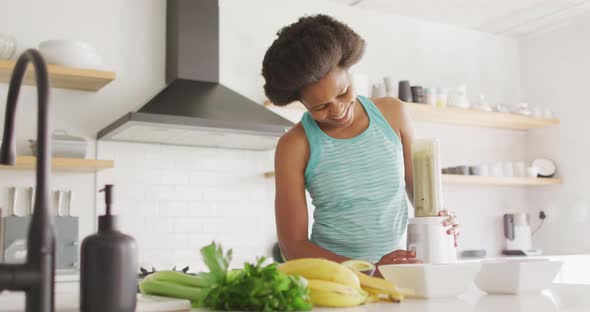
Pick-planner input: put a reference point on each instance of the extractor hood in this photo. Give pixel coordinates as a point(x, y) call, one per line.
point(195, 109)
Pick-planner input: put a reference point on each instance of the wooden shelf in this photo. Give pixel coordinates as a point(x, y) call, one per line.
point(472, 117)
point(63, 77)
point(62, 164)
point(479, 180)
point(498, 181)
point(464, 117)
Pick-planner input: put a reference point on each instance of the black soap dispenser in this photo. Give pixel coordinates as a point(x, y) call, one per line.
point(108, 267)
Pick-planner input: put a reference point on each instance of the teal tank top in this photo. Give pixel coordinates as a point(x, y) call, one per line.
point(357, 187)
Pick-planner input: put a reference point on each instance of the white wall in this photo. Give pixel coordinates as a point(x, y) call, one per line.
point(182, 193)
point(130, 38)
point(555, 67)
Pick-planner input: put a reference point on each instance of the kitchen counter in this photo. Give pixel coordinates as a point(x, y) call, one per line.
point(560, 298)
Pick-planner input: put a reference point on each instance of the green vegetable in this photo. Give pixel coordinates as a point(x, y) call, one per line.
point(201, 280)
point(172, 284)
point(254, 288)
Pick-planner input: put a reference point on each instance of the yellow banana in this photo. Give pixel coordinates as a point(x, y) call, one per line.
point(377, 286)
point(373, 282)
point(330, 294)
point(321, 269)
point(394, 295)
point(372, 298)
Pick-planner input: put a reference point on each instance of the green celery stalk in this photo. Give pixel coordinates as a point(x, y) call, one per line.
point(153, 286)
point(180, 278)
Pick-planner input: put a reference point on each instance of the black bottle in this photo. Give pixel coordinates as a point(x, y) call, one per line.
point(108, 268)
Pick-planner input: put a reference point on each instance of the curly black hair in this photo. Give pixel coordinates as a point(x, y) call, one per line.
point(305, 52)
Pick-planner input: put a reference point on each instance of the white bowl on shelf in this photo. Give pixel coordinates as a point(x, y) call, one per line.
point(70, 53)
point(432, 280)
point(517, 276)
point(64, 145)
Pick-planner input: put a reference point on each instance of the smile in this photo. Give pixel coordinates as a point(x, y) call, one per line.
point(342, 116)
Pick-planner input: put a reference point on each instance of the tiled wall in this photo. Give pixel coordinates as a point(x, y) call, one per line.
point(174, 200)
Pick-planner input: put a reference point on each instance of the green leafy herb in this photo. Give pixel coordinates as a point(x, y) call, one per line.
point(254, 288)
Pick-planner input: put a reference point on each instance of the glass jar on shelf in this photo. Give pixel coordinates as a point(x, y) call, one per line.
point(7, 46)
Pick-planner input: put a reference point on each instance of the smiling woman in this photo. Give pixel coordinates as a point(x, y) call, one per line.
point(351, 153)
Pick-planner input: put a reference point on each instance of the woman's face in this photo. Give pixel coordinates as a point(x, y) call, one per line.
point(330, 101)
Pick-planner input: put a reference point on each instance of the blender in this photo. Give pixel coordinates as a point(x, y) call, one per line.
point(426, 234)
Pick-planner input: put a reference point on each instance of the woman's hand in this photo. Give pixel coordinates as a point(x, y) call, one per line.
point(396, 257)
point(452, 221)
point(399, 257)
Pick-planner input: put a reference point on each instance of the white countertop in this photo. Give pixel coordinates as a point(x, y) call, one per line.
point(560, 298)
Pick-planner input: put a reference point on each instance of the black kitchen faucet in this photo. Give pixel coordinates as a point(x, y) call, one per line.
point(36, 276)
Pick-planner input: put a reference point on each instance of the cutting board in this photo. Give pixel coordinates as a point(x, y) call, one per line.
point(68, 302)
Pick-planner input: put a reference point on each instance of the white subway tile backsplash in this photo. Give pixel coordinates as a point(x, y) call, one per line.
point(216, 178)
point(183, 198)
point(202, 209)
point(188, 193)
point(187, 225)
point(174, 178)
point(218, 225)
point(159, 192)
point(153, 240)
point(187, 257)
point(132, 225)
point(146, 208)
point(242, 193)
point(177, 240)
point(159, 224)
point(157, 161)
point(135, 192)
point(172, 208)
point(151, 177)
point(201, 239)
point(247, 208)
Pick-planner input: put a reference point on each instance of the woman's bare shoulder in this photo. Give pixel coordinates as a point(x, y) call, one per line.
point(293, 145)
point(389, 105)
point(294, 137)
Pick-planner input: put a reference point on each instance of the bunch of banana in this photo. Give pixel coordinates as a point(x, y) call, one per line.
point(330, 284)
point(378, 289)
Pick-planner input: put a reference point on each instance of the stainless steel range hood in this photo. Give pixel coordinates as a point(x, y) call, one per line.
point(195, 109)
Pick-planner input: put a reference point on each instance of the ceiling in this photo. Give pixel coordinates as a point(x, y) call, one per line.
point(504, 17)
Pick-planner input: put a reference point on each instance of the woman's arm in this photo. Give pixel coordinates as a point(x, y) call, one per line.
point(290, 205)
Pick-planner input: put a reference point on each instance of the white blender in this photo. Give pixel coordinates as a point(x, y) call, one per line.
point(426, 234)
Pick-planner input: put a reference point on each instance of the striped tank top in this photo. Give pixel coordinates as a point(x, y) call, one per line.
point(357, 187)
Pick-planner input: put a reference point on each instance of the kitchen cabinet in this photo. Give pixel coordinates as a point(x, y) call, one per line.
point(63, 77)
point(62, 164)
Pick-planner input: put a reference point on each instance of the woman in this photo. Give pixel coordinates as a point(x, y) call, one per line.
point(352, 154)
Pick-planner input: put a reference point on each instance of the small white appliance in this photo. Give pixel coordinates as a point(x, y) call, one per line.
point(517, 233)
point(426, 233)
